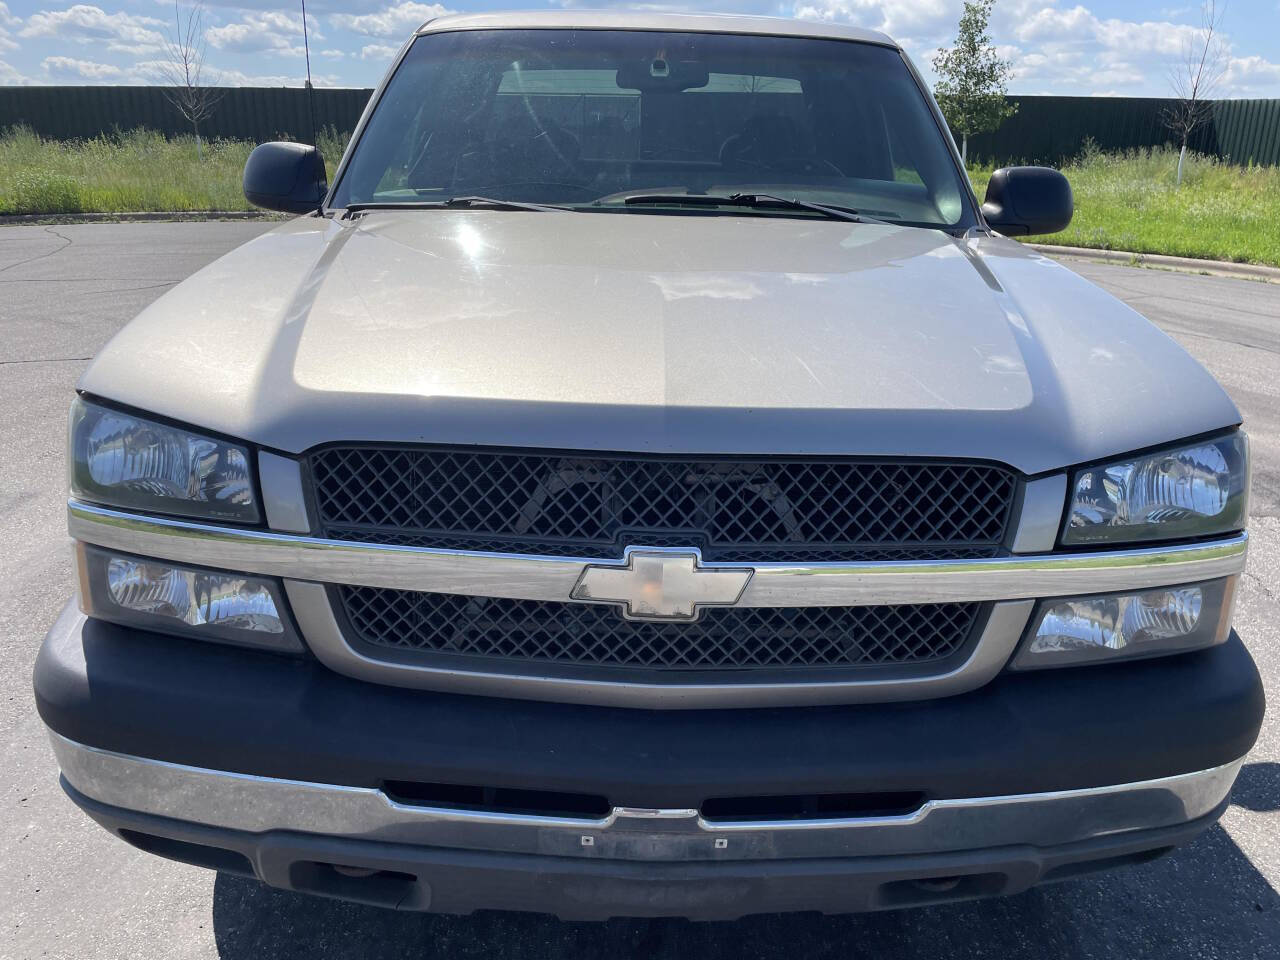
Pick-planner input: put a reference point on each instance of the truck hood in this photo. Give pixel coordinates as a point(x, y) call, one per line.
point(651, 332)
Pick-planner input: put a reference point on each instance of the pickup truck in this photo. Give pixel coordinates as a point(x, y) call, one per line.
point(647, 482)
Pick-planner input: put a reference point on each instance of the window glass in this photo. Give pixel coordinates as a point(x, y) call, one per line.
point(585, 118)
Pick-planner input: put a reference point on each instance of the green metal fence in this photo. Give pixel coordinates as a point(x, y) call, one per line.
point(1248, 131)
point(1051, 129)
point(1044, 130)
point(241, 113)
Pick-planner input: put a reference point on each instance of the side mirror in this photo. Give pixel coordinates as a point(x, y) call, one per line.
point(288, 177)
point(1023, 201)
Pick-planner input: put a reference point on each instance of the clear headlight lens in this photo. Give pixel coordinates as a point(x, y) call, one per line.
point(126, 461)
point(1123, 625)
point(1188, 491)
point(208, 604)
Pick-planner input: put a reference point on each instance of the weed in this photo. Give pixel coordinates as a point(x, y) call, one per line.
point(127, 172)
point(1124, 201)
point(1129, 201)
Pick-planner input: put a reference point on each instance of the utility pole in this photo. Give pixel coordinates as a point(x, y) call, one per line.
point(306, 48)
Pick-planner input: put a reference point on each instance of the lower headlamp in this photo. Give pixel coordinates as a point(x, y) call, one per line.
point(1117, 626)
point(173, 598)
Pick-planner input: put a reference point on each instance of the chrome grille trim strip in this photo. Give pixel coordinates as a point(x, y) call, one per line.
point(283, 499)
point(1039, 516)
point(523, 577)
point(250, 803)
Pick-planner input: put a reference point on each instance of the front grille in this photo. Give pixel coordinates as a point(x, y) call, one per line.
point(595, 505)
point(596, 635)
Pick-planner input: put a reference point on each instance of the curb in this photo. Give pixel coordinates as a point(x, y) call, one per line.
point(1217, 268)
point(141, 217)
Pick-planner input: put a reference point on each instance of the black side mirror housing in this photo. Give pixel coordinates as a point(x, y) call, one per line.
point(288, 177)
point(1028, 201)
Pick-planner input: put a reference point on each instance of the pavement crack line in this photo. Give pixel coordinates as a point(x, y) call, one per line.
point(48, 360)
point(1270, 595)
point(1185, 331)
point(149, 286)
point(147, 280)
point(1133, 294)
point(66, 242)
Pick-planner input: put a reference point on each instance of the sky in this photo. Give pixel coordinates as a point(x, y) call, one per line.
point(1098, 47)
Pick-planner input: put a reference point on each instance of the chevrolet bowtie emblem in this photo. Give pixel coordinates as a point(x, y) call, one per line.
point(657, 584)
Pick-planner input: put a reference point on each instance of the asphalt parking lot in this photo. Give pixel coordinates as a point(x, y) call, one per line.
point(67, 889)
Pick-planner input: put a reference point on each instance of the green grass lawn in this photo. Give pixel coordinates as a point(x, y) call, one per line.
point(1123, 202)
point(136, 171)
point(1130, 202)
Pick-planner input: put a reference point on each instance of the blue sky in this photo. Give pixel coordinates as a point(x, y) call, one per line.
point(1056, 46)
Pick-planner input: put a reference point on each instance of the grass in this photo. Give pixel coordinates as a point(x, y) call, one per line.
point(135, 171)
point(1130, 202)
point(1123, 201)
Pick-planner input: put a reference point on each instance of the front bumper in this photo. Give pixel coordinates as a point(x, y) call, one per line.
point(246, 761)
point(587, 883)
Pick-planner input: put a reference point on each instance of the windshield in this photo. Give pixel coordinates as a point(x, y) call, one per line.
point(587, 118)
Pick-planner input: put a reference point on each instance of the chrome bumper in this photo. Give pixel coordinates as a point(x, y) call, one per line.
point(308, 563)
point(252, 804)
point(522, 577)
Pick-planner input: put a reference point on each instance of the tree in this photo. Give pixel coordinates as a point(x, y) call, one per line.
point(972, 77)
point(191, 89)
point(1195, 78)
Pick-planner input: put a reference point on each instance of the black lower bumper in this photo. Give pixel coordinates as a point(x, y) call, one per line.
point(222, 708)
point(238, 727)
point(412, 877)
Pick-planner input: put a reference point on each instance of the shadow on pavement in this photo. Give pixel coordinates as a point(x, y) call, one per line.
point(1206, 899)
point(1258, 788)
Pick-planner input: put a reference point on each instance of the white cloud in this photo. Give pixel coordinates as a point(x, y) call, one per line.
point(396, 21)
point(122, 32)
point(923, 18)
point(10, 76)
point(1079, 26)
point(7, 20)
point(1252, 77)
point(70, 70)
point(1056, 46)
point(236, 78)
point(1063, 49)
point(150, 71)
point(68, 67)
point(1076, 51)
point(675, 6)
point(266, 32)
point(378, 51)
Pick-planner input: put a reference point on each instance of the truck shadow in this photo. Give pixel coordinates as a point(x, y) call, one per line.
point(1206, 899)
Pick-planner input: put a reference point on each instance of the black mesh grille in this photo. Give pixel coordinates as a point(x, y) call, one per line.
point(597, 635)
point(592, 505)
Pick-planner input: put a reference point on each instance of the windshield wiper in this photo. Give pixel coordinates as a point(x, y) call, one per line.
point(765, 201)
point(452, 203)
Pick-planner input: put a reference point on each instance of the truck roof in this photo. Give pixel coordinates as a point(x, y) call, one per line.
point(646, 20)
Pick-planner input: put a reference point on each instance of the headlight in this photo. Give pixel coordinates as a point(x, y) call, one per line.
point(1119, 626)
point(174, 598)
point(1192, 490)
point(122, 460)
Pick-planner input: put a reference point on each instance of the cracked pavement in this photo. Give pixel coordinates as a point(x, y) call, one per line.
point(67, 889)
